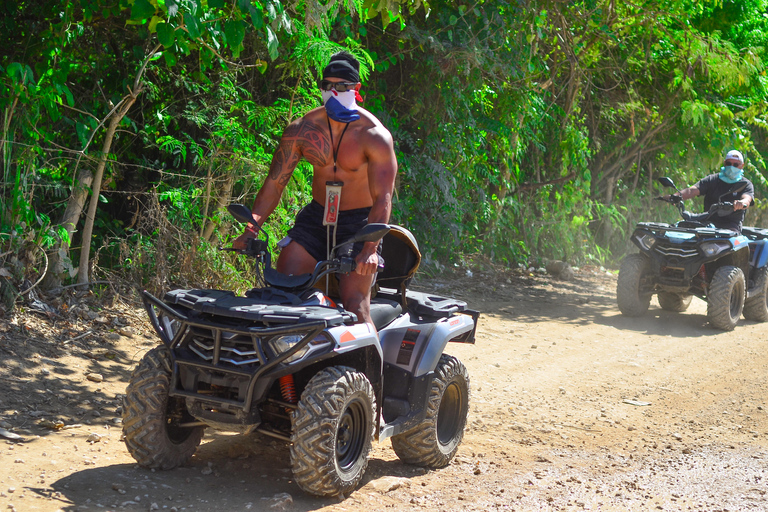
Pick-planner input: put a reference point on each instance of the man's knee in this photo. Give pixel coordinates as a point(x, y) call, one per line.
point(294, 259)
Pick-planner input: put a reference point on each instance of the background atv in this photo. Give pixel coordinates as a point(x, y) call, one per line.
point(286, 361)
point(691, 258)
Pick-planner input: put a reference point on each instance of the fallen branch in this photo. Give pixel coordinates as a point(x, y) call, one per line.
point(577, 428)
point(77, 337)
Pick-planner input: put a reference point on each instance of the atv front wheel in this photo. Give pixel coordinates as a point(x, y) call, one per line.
point(725, 297)
point(152, 420)
point(631, 300)
point(434, 442)
point(674, 302)
point(756, 307)
point(333, 431)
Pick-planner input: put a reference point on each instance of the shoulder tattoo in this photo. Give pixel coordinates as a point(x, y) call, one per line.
point(314, 141)
point(299, 139)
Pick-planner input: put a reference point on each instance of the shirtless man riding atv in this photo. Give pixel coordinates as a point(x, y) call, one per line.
point(354, 164)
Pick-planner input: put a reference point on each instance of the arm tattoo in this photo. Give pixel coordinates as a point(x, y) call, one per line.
point(283, 162)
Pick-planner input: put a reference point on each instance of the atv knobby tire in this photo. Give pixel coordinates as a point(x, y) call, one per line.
point(674, 302)
point(151, 417)
point(333, 431)
point(756, 307)
point(434, 442)
point(725, 297)
point(631, 301)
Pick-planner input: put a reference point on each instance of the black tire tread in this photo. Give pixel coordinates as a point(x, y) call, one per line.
point(144, 415)
point(756, 307)
point(420, 446)
point(313, 451)
point(727, 280)
point(674, 302)
point(630, 302)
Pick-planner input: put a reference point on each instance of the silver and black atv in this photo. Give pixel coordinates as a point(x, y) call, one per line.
point(286, 361)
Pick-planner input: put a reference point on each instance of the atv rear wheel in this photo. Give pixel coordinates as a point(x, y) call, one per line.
point(333, 431)
point(674, 302)
point(631, 301)
point(434, 442)
point(725, 297)
point(756, 307)
point(152, 419)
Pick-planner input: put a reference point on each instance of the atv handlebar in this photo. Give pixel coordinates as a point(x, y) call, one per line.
point(344, 264)
point(672, 199)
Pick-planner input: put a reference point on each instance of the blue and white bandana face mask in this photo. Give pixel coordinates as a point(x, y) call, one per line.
point(731, 174)
point(341, 106)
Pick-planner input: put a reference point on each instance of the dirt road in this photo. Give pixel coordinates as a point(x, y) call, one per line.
point(574, 407)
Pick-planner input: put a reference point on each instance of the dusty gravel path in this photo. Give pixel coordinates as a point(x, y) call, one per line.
point(556, 423)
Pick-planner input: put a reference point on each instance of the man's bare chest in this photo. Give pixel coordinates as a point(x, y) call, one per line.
point(320, 147)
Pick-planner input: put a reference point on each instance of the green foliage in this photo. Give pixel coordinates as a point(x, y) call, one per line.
point(523, 131)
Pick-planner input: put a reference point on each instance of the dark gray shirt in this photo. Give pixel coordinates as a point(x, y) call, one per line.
point(712, 187)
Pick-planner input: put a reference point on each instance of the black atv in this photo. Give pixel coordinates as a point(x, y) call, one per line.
point(691, 257)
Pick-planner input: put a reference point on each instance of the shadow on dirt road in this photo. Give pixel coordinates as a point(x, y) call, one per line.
point(228, 472)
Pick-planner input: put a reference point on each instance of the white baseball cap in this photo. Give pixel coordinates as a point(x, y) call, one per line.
point(735, 155)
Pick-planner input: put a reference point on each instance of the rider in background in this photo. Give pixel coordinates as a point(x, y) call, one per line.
point(717, 184)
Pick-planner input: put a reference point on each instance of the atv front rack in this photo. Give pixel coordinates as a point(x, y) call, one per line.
point(700, 232)
point(249, 377)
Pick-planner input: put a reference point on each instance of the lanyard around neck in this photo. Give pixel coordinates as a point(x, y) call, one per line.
point(335, 150)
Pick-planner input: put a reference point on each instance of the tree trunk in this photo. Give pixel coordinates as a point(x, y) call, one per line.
point(69, 221)
point(222, 199)
point(118, 113)
point(114, 122)
point(208, 188)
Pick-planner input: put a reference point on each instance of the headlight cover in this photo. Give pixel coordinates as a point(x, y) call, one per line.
point(714, 248)
point(282, 344)
point(646, 241)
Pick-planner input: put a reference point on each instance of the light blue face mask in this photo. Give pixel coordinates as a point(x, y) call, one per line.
point(731, 174)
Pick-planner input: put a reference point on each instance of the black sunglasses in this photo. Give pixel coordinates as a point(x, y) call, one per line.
point(327, 85)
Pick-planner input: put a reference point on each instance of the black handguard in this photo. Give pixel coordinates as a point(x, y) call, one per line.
point(253, 247)
point(724, 209)
point(347, 265)
point(672, 199)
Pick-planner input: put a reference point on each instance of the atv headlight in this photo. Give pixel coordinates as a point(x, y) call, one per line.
point(714, 248)
point(282, 344)
point(646, 241)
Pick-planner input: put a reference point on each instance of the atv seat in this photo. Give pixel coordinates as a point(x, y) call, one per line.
point(383, 311)
point(401, 260)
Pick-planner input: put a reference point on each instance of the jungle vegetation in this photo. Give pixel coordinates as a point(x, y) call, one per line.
point(524, 129)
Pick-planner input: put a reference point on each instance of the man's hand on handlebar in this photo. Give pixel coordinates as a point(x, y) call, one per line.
point(671, 198)
point(741, 204)
point(367, 262)
point(241, 243)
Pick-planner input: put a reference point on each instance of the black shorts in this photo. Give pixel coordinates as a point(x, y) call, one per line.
point(309, 232)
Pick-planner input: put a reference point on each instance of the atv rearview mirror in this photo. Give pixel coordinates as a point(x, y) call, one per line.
point(667, 182)
point(370, 233)
point(241, 213)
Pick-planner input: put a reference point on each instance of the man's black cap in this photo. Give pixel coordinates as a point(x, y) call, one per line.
point(343, 65)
